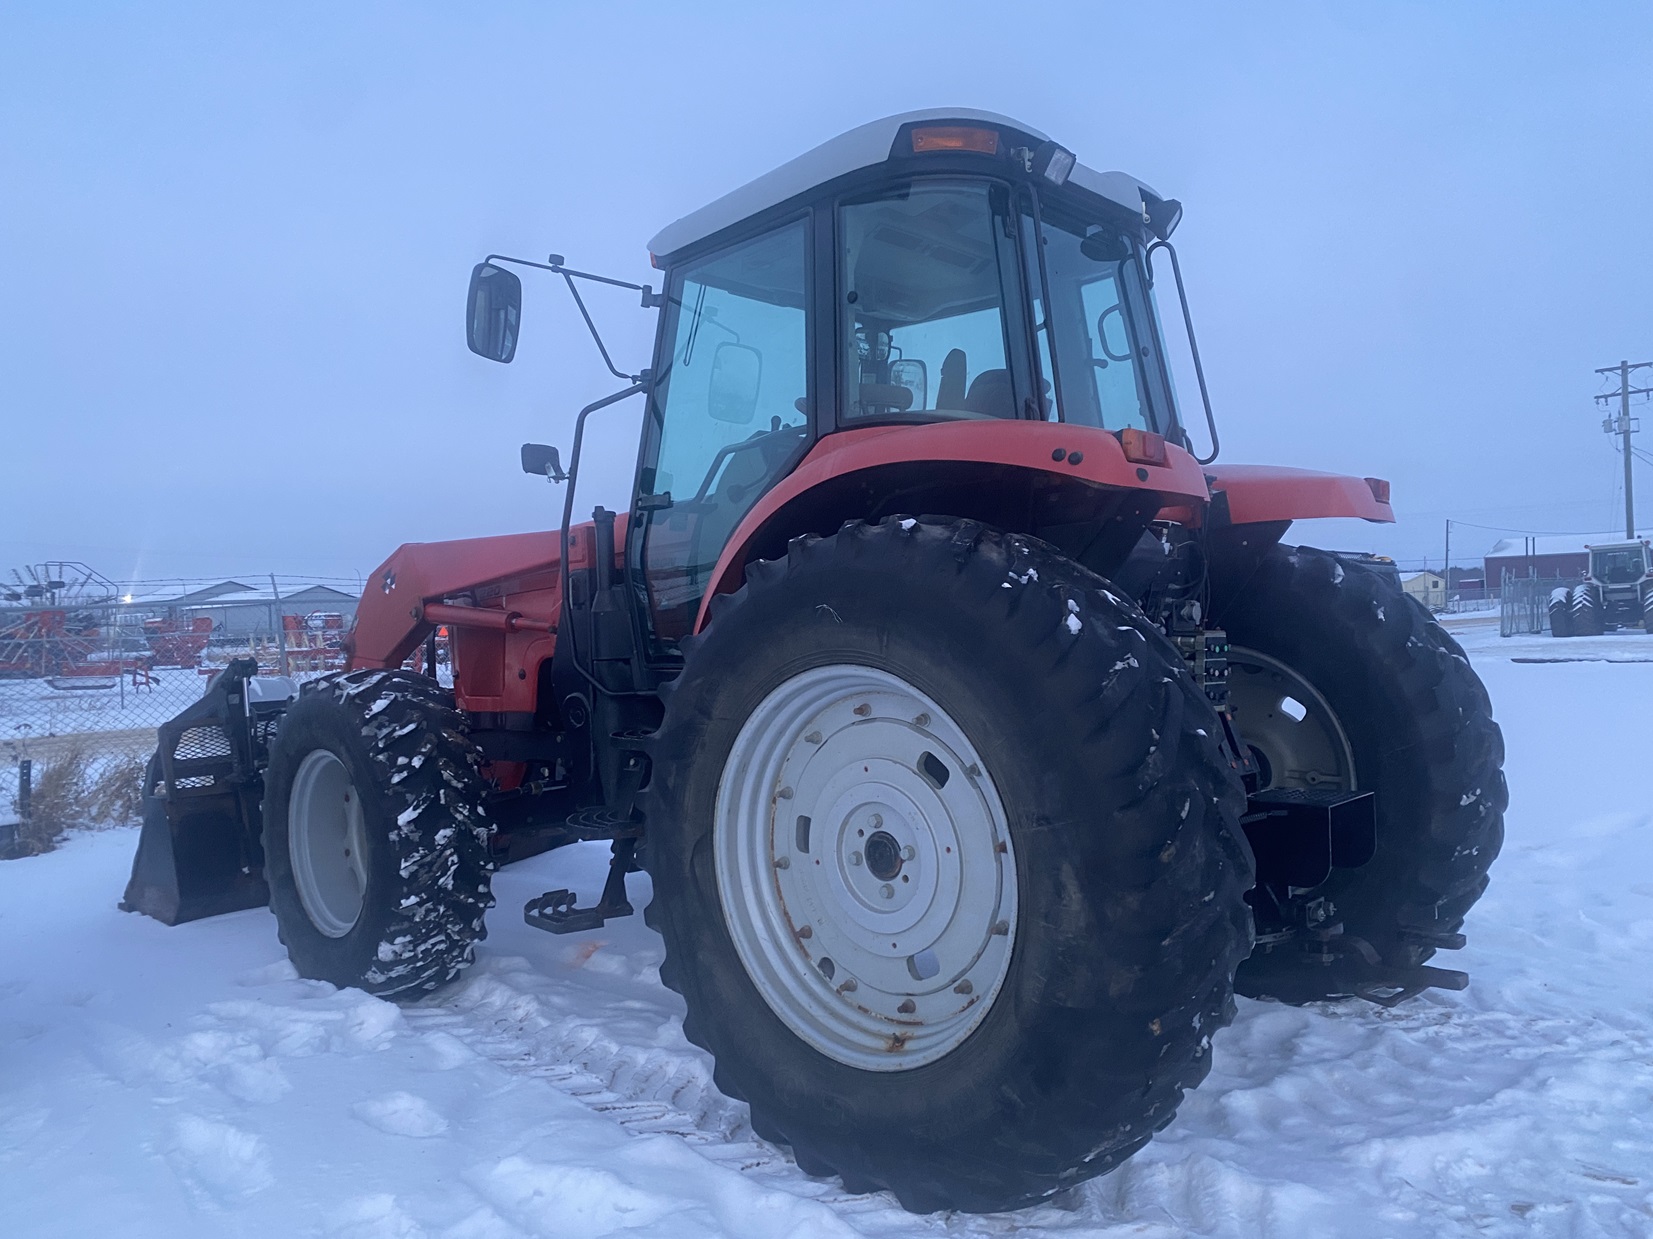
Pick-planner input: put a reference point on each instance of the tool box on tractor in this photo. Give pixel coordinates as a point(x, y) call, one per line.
point(978, 733)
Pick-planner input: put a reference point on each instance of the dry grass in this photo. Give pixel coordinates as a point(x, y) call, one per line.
point(78, 790)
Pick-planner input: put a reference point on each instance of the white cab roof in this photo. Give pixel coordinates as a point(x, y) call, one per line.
point(862, 147)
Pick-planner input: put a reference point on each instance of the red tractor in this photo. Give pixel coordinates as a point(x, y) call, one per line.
point(979, 736)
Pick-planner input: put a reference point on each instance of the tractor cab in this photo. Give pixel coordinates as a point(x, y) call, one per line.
point(938, 268)
point(1619, 564)
point(922, 272)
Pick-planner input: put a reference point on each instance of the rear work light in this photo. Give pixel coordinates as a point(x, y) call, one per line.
point(929, 138)
point(1143, 447)
point(1379, 488)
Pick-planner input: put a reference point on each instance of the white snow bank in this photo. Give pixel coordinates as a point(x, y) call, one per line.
point(183, 1082)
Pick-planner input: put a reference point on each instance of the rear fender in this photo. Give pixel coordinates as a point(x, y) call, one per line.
point(1017, 476)
point(1259, 494)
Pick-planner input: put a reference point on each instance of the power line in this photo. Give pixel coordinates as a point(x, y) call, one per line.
point(1535, 533)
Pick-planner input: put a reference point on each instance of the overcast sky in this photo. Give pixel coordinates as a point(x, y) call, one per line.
point(234, 242)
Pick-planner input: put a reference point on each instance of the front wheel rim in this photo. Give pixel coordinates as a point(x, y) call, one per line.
point(865, 868)
point(326, 841)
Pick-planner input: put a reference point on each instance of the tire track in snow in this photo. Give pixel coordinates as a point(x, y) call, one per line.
point(510, 1018)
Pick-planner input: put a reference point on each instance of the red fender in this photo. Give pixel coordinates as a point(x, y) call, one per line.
point(1262, 493)
point(1059, 455)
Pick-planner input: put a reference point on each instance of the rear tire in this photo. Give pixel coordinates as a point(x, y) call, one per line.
point(1561, 612)
point(1070, 732)
point(1647, 609)
point(1587, 617)
point(375, 838)
point(1413, 723)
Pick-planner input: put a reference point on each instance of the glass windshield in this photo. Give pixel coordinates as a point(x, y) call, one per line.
point(1620, 567)
point(924, 279)
point(1095, 315)
point(728, 412)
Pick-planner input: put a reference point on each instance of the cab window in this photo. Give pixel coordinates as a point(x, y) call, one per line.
point(727, 416)
point(923, 287)
point(1091, 315)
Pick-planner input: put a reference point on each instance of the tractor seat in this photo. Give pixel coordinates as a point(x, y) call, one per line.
point(990, 395)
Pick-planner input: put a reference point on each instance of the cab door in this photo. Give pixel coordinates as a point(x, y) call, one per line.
point(727, 416)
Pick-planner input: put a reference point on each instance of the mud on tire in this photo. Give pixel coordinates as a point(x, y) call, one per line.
point(427, 864)
point(1129, 863)
point(1420, 725)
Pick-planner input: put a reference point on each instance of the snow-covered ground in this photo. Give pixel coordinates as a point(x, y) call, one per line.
point(182, 1082)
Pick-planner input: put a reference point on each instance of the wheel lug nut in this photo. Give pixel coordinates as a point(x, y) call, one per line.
point(908, 852)
point(876, 820)
point(887, 891)
point(855, 859)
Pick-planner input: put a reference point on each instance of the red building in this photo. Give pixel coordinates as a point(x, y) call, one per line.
point(1551, 557)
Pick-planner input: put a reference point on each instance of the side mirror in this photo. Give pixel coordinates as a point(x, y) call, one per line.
point(542, 460)
point(492, 312)
point(914, 375)
point(737, 373)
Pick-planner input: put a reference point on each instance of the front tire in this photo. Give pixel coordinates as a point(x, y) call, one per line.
point(375, 838)
point(1343, 682)
point(1026, 1011)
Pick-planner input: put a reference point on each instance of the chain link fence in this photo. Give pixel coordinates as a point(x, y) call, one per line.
point(1524, 604)
point(89, 670)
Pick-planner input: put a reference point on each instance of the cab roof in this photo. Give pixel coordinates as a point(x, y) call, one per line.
point(862, 147)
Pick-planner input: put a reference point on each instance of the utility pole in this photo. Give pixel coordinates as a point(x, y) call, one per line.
point(1626, 426)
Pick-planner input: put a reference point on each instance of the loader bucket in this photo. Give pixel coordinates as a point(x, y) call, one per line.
point(200, 852)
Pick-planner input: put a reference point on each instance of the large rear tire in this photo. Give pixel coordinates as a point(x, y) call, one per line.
point(375, 838)
point(1588, 620)
point(1010, 992)
point(1561, 612)
point(1343, 682)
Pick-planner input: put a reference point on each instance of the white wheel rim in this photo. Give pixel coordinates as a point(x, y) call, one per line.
point(1286, 718)
point(326, 840)
point(881, 929)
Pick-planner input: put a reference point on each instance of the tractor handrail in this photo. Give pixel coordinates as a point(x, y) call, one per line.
point(1193, 344)
point(638, 385)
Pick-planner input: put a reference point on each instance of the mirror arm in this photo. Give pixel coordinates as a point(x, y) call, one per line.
point(1193, 345)
point(569, 276)
point(556, 265)
point(592, 328)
